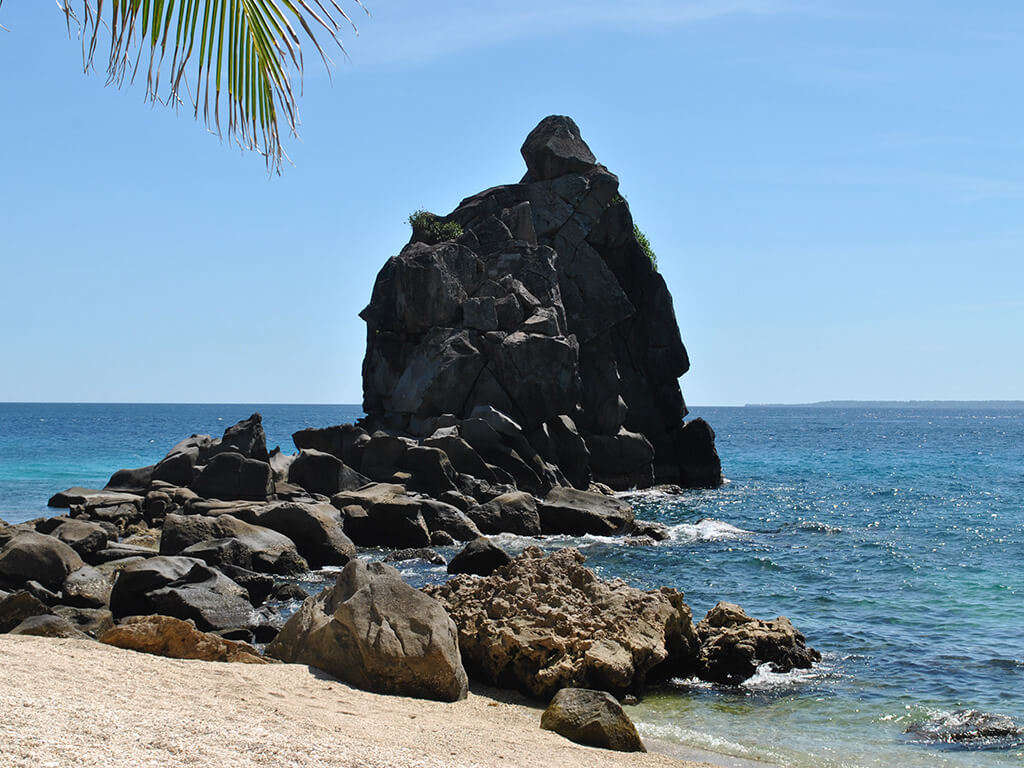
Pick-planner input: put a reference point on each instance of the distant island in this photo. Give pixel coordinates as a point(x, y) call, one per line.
point(895, 404)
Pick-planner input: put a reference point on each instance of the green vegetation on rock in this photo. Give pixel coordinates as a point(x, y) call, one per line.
point(432, 229)
point(645, 244)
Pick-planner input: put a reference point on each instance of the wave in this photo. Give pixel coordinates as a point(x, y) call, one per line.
point(707, 529)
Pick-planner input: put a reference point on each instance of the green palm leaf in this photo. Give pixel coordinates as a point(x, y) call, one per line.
point(235, 62)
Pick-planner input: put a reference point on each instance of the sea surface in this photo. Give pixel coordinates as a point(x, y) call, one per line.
point(893, 537)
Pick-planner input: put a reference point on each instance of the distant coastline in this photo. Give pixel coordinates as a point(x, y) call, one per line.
point(895, 404)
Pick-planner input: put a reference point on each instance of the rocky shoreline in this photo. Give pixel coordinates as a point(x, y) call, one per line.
point(522, 365)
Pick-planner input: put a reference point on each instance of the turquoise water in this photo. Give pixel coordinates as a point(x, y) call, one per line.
point(892, 537)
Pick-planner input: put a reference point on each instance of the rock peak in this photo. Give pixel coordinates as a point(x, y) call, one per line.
point(555, 148)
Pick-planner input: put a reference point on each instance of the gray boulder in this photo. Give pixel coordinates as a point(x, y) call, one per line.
point(374, 631)
point(231, 476)
point(182, 587)
point(130, 480)
point(249, 546)
point(16, 607)
point(49, 626)
point(34, 557)
point(573, 512)
point(86, 588)
point(82, 536)
point(182, 531)
point(513, 512)
point(480, 557)
point(323, 473)
point(246, 437)
point(316, 530)
point(554, 148)
point(593, 718)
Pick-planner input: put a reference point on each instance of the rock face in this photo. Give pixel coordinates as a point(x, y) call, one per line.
point(177, 639)
point(733, 645)
point(593, 718)
point(543, 623)
point(548, 310)
point(374, 631)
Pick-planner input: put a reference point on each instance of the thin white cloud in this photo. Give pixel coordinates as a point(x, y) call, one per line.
point(409, 31)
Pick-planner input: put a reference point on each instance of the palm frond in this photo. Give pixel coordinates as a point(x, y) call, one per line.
point(236, 62)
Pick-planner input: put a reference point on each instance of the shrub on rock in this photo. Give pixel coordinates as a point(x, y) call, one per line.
point(374, 631)
point(593, 718)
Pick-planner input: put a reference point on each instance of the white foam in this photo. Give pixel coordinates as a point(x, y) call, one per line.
point(707, 529)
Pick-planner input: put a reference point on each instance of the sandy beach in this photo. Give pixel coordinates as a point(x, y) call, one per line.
point(84, 705)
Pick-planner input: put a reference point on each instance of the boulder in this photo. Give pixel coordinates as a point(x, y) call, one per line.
point(593, 718)
point(86, 588)
point(259, 586)
point(374, 631)
point(322, 473)
point(542, 623)
point(178, 467)
point(574, 512)
point(249, 546)
point(92, 621)
point(182, 531)
point(316, 530)
point(35, 557)
point(430, 468)
point(232, 476)
point(554, 148)
point(82, 536)
point(344, 441)
point(183, 587)
point(49, 626)
point(513, 512)
point(130, 480)
point(451, 520)
point(480, 557)
point(177, 639)
point(733, 645)
point(700, 466)
point(18, 606)
point(383, 515)
point(246, 438)
point(461, 455)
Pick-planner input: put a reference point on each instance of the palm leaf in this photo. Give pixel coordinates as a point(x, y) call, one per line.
point(235, 62)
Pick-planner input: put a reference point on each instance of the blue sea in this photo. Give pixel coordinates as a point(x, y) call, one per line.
point(893, 537)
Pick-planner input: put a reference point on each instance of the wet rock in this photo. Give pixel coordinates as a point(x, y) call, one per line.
point(733, 645)
point(542, 623)
point(573, 512)
point(375, 632)
point(177, 639)
point(965, 726)
point(513, 512)
point(480, 557)
point(593, 718)
point(35, 557)
point(421, 553)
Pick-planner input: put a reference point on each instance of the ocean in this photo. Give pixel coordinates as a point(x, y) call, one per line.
point(892, 536)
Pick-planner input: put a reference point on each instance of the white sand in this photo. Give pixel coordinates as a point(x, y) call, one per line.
point(84, 705)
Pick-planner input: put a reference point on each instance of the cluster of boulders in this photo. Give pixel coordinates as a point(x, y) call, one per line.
point(513, 378)
point(548, 309)
point(545, 622)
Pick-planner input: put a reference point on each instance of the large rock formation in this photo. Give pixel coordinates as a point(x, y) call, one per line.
point(547, 309)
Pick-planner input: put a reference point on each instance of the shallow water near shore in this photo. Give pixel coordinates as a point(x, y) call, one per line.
point(893, 537)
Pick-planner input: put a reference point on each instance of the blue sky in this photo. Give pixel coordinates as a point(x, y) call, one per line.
point(834, 189)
